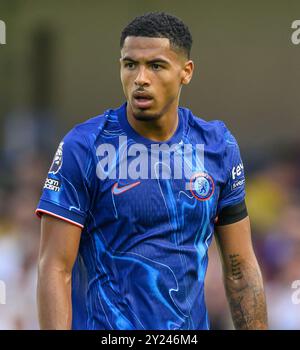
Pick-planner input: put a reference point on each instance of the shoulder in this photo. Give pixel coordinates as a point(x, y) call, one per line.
point(211, 131)
point(77, 145)
point(87, 130)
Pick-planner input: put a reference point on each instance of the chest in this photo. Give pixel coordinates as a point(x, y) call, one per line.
point(147, 203)
point(166, 186)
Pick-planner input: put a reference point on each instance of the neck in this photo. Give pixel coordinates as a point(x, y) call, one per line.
point(159, 130)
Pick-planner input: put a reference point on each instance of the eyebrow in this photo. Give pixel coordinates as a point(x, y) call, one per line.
point(155, 60)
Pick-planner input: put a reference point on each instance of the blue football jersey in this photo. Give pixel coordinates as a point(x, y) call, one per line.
point(146, 228)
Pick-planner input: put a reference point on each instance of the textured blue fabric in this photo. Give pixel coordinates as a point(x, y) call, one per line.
point(143, 251)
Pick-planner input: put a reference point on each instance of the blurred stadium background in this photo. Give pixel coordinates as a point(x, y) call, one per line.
point(60, 67)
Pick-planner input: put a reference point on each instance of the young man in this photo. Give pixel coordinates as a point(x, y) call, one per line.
point(125, 231)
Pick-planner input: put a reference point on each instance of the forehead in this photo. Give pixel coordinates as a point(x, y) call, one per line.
point(144, 48)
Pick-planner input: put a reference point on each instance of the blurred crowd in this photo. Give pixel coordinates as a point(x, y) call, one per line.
point(273, 201)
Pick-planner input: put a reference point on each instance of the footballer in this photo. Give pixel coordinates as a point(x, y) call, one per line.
point(134, 197)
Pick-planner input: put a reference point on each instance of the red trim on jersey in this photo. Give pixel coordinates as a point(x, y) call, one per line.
point(39, 211)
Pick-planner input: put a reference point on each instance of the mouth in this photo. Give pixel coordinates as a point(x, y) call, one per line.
point(142, 100)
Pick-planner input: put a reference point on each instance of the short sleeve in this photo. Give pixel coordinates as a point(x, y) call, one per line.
point(233, 190)
point(66, 192)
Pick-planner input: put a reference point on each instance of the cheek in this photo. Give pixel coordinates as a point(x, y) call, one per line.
point(171, 86)
point(125, 82)
point(123, 78)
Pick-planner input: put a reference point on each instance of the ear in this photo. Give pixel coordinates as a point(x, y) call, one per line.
point(187, 72)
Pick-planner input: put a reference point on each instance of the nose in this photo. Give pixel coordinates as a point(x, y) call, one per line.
point(142, 77)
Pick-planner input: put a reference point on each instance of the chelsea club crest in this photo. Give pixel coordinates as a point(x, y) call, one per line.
point(202, 186)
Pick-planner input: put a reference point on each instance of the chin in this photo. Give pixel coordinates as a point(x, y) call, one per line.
point(145, 115)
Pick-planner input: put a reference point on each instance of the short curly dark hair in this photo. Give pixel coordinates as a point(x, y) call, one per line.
point(160, 25)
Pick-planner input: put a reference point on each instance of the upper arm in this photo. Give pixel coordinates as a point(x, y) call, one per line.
point(64, 203)
point(232, 190)
point(68, 186)
point(59, 243)
point(232, 229)
point(235, 244)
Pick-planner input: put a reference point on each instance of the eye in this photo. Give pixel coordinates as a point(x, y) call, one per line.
point(156, 66)
point(129, 65)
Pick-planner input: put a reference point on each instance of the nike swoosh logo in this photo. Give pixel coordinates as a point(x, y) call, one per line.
point(118, 190)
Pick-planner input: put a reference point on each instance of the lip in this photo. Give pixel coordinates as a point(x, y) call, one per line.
point(142, 103)
point(142, 99)
point(144, 94)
